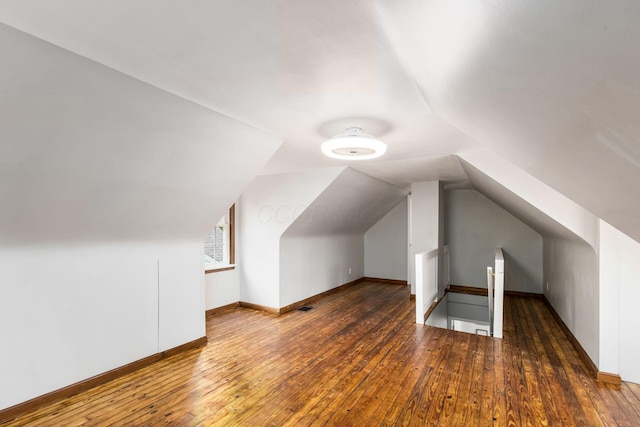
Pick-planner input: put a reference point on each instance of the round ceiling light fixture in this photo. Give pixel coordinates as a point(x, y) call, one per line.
point(353, 145)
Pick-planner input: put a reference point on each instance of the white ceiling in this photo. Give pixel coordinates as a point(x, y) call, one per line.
point(562, 220)
point(90, 154)
point(351, 204)
point(553, 86)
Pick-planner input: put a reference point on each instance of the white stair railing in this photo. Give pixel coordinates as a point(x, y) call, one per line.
point(426, 266)
point(445, 266)
point(495, 289)
point(490, 276)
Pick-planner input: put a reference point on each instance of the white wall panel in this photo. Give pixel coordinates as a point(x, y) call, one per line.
point(269, 206)
point(425, 222)
point(328, 237)
point(629, 313)
point(71, 312)
point(475, 228)
point(181, 295)
point(310, 265)
point(619, 294)
point(385, 246)
point(571, 270)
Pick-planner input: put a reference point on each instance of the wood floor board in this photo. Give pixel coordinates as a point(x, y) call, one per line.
point(399, 377)
point(363, 359)
point(466, 409)
point(490, 403)
point(562, 359)
point(358, 358)
point(494, 363)
point(624, 412)
point(631, 399)
point(475, 386)
point(576, 380)
point(365, 401)
point(632, 390)
point(441, 387)
point(515, 404)
point(553, 398)
point(399, 386)
point(146, 397)
point(364, 394)
point(532, 364)
point(365, 385)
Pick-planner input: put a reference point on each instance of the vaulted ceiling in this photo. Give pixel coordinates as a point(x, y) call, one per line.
point(554, 87)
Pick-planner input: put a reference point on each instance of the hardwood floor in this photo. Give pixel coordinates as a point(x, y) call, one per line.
point(359, 359)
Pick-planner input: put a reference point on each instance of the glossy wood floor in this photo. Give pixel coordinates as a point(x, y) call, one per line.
point(359, 359)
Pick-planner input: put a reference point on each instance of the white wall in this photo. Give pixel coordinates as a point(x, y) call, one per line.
point(71, 312)
point(629, 313)
point(571, 270)
point(328, 237)
point(310, 265)
point(424, 218)
point(619, 294)
point(222, 288)
point(475, 228)
point(269, 206)
point(108, 186)
point(385, 246)
point(570, 240)
point(321, 206)
point(180, 294)
point(609, 298)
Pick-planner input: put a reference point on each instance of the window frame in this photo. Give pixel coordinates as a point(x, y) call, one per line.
point(232, 245)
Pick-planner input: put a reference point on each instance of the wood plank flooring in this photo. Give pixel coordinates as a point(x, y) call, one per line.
point(358, 359)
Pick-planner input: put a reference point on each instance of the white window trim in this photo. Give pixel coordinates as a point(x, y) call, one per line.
point(211, 265)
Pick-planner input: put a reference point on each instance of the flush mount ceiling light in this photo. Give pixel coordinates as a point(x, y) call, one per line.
point(353, 145)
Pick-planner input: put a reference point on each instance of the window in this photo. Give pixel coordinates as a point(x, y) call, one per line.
point(219, 244)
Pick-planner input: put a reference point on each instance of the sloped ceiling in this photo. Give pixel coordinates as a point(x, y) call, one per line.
point(351, 204)
point(548, 221)
point(302, 70)
point(90, 154)
point(553, 86)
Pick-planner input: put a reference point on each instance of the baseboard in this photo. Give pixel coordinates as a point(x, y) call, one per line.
point(223, 309)
point(200, 342)
point(470, 290)
point(386, 281)
point(431, 308)
point(297, 304)
point(84, 385)
point(267, 309)
point(608, 378)
point(581, 351)
point(307, 301)
point(523, 294)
